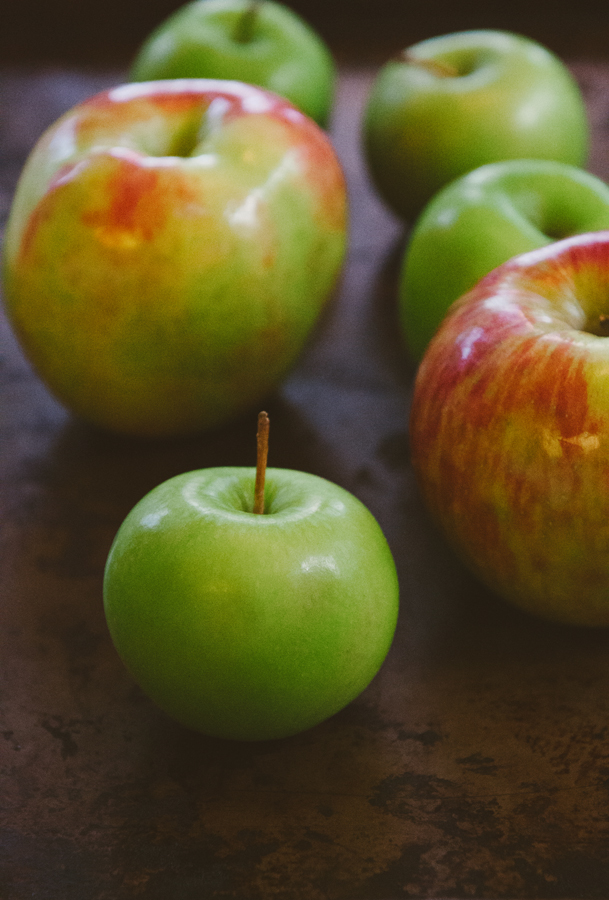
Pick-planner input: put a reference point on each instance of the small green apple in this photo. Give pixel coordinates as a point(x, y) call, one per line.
point(251, 625)
point(453, 103)
point(482, 219)
point(256, 41)
point(169, 249)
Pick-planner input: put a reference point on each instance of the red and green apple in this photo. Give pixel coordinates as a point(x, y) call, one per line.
point(481, 220)
point(248, 622)
point(169, 250)
point(509, 430)
point(256, 41)
point(450, 104)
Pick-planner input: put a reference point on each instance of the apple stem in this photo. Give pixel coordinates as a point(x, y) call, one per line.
point(244, 30)
point(262, 443)
point(441, 69)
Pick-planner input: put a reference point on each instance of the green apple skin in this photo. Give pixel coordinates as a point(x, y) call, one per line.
point(481, 220)
point(509, 430)
point(281, 52)
point(250, 626)
point(169, 250)
point(511, 99)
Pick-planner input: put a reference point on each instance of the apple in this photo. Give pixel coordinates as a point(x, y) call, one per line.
point(169, 250)
point(256, 41)
point(509, 430)
point(479, 221)
point(450, 104)
point(250, 623)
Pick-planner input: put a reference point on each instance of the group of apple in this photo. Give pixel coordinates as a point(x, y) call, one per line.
point(504, 303)
point(171, 245)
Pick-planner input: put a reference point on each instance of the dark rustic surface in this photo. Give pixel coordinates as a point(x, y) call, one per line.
point(475, 765)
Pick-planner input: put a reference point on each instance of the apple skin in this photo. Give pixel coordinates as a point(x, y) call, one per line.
point(170, 247)
point(251, 626)
point(509, 430)
point(282, 54)
point(481, 220)
point(511, 99)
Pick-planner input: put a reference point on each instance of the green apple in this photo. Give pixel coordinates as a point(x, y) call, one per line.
point(453, 103)
point(481, 220)
point(169, 249)
point(509, 430)
point(244, 625)
point(257, 41)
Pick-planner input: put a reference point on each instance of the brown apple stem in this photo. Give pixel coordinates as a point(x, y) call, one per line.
point(244, 30)
point(441, 69)
point(262, 443)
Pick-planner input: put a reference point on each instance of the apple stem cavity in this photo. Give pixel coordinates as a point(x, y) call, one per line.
point(434, 66)
point(262, 443)
point(244, 30)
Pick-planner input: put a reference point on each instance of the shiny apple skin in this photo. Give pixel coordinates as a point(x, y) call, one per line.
point(481, 220)
point(509, 430)
point(248, 626)
point(512, 99)
point(282, 54)
point(170, 247)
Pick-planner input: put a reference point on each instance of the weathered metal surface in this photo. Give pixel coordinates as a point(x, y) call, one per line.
point(475, 765)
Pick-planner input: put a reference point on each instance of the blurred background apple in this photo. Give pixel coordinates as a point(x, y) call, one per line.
point(262, 43)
